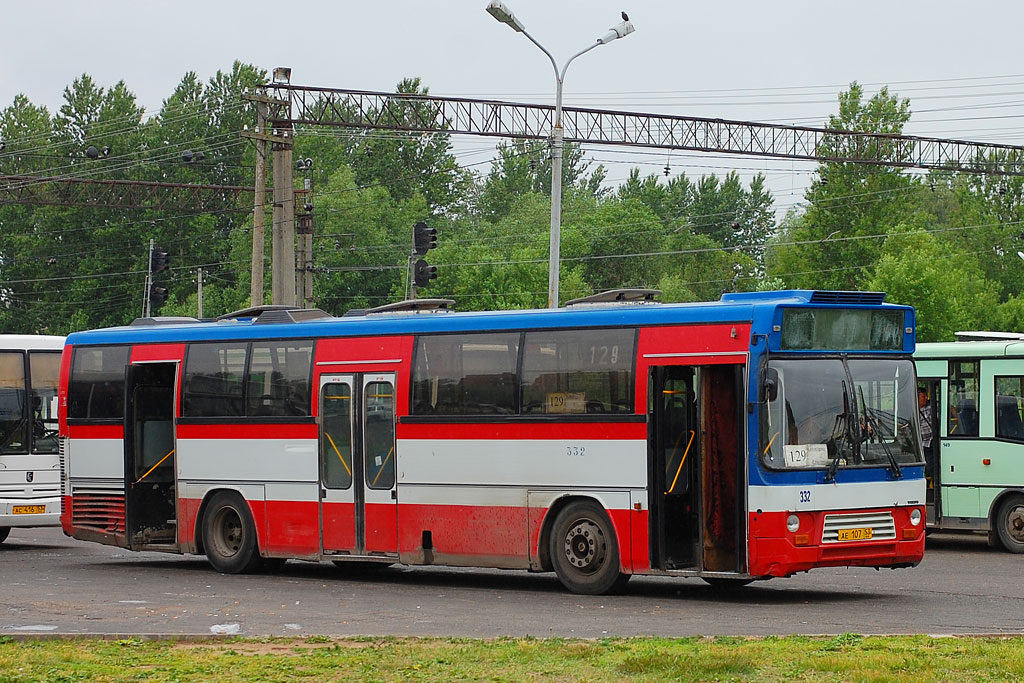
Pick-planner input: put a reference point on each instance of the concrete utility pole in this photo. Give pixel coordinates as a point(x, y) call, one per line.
point(259, 209)
point(282, 255)
point(304, 232)
point(149, 281)
point(199, 294)
point(281, 137)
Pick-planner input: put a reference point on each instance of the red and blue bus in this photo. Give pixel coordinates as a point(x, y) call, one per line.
point(758, 436)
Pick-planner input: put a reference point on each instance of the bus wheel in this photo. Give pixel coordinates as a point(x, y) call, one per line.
point(5, 531)
point(584, 551)
point(1009, 524)
point(229, 535)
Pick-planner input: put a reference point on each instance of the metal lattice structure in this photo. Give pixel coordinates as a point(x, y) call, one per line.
point(123, 194)
point(312, 106)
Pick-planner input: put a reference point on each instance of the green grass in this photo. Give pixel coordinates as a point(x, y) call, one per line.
point(847, 657)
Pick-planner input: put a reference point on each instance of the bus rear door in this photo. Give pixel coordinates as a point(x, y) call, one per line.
point(358, 495)
point(150, 481)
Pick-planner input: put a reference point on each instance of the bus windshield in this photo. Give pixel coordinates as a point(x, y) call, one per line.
point(837, 413)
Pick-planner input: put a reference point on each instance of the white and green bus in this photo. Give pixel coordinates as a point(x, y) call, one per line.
point(971, 395)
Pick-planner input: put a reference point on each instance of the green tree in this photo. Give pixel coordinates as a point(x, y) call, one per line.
point(916, 270)
point(832, 245)
point(525, 166)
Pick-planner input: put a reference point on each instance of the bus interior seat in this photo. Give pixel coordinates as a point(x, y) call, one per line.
point(968, 417)
point(1008, 422)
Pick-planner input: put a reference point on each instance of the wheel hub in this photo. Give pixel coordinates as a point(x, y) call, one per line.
point(1015, 523)
point(584, 546)
point(229, 533)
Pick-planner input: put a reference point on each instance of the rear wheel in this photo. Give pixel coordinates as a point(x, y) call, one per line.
point(5, 531)
point(1009, 524)
point(229, 535)
point(584, 551)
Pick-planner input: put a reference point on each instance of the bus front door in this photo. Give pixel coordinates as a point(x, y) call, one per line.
point(697, 469)
point(150, 483)
point(358, 495)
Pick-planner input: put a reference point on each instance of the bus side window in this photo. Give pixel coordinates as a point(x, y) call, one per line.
point(1008, 400)
point(962, 406)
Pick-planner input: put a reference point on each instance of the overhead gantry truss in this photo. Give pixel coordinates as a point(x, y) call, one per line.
point(311, 106)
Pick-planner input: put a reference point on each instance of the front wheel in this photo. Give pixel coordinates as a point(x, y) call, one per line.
point(229, 535)
point(1009, 524)
point(5, 531)
point(584, 551)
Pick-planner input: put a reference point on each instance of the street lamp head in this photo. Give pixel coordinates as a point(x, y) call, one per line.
point(620, 30)
point(499, 11)
point(282, 74)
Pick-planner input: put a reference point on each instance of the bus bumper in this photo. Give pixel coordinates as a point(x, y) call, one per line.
point(32, 512)
point(776, 551)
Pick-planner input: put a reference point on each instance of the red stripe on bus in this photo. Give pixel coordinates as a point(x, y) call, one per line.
point(96, 431)
point(247, 431)
point(531, 430)
point(158, 352)
point(62, 391)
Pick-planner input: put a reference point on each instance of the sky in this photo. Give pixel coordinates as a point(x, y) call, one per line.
point(960, 63)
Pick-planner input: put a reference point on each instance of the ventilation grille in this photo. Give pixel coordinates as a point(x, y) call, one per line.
point(864, 298)
point(62, 445)
point(100, 511)
point(882, 525)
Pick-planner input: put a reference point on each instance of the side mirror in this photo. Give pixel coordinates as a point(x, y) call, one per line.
point(771, 384)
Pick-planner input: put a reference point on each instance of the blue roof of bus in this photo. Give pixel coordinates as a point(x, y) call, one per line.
point(742, 307)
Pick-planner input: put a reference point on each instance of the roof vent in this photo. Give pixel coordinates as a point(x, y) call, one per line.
point(274, 313)
point(163, 320)
point(849, 298)
point(989, 336)
point(415, 306)
point(617, 297)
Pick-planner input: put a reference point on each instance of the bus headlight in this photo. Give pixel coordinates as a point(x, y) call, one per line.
point(915, 516)
point(793, 523)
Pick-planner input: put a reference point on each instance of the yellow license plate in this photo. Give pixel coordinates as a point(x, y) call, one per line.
point(855, 534)
point(29, 509)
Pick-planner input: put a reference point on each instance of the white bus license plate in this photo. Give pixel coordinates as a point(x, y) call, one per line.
point(28, 509)
point(863, 534)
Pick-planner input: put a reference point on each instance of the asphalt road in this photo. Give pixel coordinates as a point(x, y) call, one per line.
point(52, 584)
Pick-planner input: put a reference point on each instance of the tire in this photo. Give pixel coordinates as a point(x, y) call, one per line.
point(1009, 524)
point(5, 531)
point(229, 535)
point(584, 551)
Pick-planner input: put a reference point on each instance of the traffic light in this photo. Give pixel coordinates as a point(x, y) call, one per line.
point(423, 273)
point(160, 260)
point(157, 295)
point(424, 238)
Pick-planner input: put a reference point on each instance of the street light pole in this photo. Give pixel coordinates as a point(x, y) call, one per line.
point(499, 11)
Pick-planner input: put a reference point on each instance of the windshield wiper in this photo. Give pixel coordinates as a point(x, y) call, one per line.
point(843, 428)
point(874, 427)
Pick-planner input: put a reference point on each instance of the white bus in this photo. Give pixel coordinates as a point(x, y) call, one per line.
point(29, 461)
